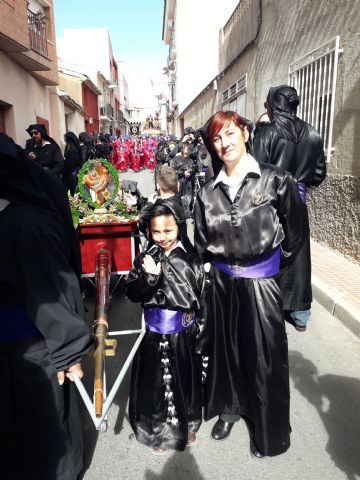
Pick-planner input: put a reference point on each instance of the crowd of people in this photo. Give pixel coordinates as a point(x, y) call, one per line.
point(188, 155)
point(215, 342)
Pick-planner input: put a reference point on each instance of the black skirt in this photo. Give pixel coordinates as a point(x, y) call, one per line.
point(248, 365)
point(148, 408)
point(42, 439)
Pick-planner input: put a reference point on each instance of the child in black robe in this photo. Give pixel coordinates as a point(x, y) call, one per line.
point(165, 406)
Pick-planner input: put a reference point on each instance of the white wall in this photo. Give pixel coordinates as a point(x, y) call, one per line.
point(197, 43)
point(27, 97)
point(87, 50)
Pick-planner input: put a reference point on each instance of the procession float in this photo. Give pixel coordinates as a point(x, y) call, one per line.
point(106, 218)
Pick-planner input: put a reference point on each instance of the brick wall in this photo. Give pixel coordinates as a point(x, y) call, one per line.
point(13, 21)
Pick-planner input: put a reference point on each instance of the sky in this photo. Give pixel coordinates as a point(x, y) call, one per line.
point(135, 29)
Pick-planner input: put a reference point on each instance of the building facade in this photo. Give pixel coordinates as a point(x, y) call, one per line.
point(28, 66)
point(190, 29)
point(89, 51)
point(79, 96)
point(124, 112)
point(315, 47)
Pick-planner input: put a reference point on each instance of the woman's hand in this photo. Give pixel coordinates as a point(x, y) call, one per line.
point(76, 369)
point(150, 266)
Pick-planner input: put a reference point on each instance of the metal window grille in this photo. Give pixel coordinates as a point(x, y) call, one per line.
point(232, 90)
point(235, 89)
point(37, 32)
point(314, 77)
point(234, 97)
point(225, 95)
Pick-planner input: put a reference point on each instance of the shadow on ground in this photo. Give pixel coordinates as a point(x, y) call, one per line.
point(177, 466)
point(336, 399)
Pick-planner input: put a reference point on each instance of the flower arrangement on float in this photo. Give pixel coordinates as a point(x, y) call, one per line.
point(100, 197)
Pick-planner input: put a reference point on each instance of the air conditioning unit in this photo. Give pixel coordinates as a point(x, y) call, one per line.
point(91, 120)
point(171, 65)
point(171, 24)
point(172, 54)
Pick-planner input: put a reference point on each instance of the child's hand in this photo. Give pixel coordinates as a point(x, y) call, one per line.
point(153, 197)
point(150, 266)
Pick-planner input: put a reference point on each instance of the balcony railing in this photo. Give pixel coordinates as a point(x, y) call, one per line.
point(106, 111)
point(119, 116)
point(37, 32)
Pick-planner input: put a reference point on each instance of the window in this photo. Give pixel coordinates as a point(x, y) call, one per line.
point(2, 120)
point(4, 109)
point(45, 122)
point(314, 77)
point(234, 97)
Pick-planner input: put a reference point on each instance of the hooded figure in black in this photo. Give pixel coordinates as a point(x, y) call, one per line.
point(46, 152)
point(72, 161)
point(295, 146)
point(165, 395)
point(161, 153)
point(102, 147)
point(86, 147)
point(43, 335)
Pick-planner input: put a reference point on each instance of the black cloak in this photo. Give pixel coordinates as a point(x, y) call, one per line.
point(39, 254)
point(295, 146)
point(48, 156)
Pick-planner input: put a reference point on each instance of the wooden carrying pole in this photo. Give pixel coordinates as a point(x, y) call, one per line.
point(102, 279)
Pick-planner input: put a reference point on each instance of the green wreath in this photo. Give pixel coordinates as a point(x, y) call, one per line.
point(112, 172)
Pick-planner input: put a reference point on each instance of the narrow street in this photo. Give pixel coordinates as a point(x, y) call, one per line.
point(248, 111)
point(325, 387)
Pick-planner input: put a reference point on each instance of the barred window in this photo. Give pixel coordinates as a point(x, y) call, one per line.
point(314, 77)
point(234, 97)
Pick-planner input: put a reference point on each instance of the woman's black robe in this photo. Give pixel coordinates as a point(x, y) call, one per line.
point(178, 287)
point(245, 336)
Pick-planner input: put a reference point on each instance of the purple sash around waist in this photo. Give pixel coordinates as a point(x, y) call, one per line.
point(164, 321)
point(261, 266)
point(15, 324)
point(302, 191)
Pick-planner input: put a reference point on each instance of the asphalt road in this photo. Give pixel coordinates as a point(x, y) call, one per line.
point(144, 179)
point(325, 392)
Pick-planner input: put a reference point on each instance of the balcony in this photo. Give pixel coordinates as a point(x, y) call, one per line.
point(106, 112)
point(119, 116)
point(37, 32)
point(239, 31)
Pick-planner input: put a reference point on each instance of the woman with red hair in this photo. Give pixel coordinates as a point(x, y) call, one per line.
point(246, 217)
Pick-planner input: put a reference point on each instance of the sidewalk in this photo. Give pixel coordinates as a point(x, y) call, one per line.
point(336, 285)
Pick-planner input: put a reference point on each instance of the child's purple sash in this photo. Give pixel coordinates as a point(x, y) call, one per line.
point(302, 191)
point(262, 266)
point(160, 320)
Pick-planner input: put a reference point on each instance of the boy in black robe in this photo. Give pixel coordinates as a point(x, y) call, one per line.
point(165, 406)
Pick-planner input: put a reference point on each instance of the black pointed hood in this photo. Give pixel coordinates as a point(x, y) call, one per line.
point(283, 101)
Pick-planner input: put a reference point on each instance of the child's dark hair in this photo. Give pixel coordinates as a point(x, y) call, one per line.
point(159, 209)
